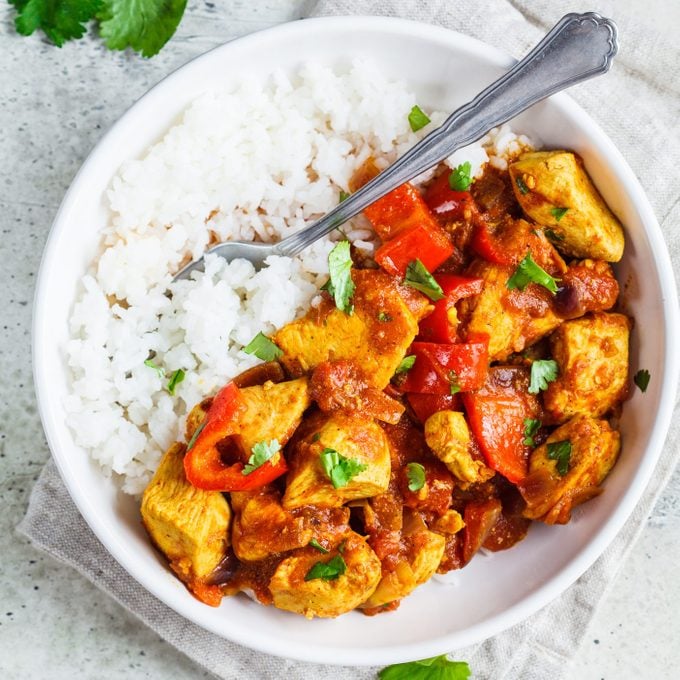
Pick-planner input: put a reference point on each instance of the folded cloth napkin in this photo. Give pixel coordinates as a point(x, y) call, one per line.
point(637, 105)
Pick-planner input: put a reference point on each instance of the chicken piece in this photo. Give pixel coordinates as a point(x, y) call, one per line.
point(548, 182)
point(448, 435)
point(551, 496)
point(451, 522)
point(375, 336)
point(513, 319)
point(352, 436)
point(326, 597)
point(422, 551)
point(189, 525)
point(592, 354)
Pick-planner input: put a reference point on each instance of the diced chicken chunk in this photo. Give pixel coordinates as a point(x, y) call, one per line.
point(448, 435)
point(189, 525)
point(554, 190)
point(330, 597)
point(592, 354)
point(551, 496)
point(375, 336)
point(353, 437)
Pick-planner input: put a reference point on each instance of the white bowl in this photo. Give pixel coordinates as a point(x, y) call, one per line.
point(492, 593)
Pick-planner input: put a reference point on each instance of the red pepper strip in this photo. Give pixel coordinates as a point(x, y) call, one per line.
point(402, 208)
point(438, 368)
point(496, 416)
point(424, 405)
point(437, 326)
point(446, 204)
point(489, 246)
point(203, 464)
point(480, 518)
point(428, 243)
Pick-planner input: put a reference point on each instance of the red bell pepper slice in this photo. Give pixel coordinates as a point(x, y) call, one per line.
point(203, 463)
point(439, 369)
point(448, 205)
point(496, 415)
point(424, 405)
point(437, 326)
point(480, 517)
point(486, 243)
point(428, 243)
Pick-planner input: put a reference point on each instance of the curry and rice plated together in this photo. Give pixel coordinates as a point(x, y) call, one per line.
point(447, 374)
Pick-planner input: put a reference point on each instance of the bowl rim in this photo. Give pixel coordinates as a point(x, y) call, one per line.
point(543, 594)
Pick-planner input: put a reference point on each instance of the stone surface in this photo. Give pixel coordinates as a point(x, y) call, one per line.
point(55, 106)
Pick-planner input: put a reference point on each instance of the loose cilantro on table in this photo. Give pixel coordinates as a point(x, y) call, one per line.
point(339, 469)
point(460, 178)
point(561, 452)
point(529, 272)
point(642, 378)
point(543, 371)
point(558, 213)
point(415, 474)
point(175, 379)
point(261, 453)
point(531, 427)
point(419, 278)
point(340, 285)
point(327, 571)
point(436, 668)
point(263, 348)
point(315, 544)
point(417, 118)
point(406, 364)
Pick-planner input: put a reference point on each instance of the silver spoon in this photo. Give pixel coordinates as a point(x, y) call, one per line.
point(578, 47)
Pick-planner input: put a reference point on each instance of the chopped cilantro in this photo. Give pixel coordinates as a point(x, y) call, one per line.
point(261, 453)
point(417, 118)
point(315, 544)
point(553, 235)
point(328, 571)
point(339, 469)
point(543, 371)
point(415, 474)
point(437, 668)
point(343, 196)
point(175, 379)
point(406, 364)
point(561, 452)
point(340, 285)
point(454, 385)
point(460, 178)
point(641, 379)
point(558, 213)
point(263, 348)
point(384, 316)
point(194, 436)
point(531, 427)
point(159, 369)
point(521, 185)
point(529, 272)
point(419, 278)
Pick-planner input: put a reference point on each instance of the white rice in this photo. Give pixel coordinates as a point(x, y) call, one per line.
point(250, 163)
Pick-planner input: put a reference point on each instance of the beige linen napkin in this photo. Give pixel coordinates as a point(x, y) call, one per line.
point(638, 106)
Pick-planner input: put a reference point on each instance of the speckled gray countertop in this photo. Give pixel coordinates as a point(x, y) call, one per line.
point(54, 106)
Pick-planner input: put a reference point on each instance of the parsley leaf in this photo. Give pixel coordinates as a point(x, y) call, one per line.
point(417, 118)
point(143, 25)
point(561, 452)
point(543, 371)
point(342, 196)
point(328, 571)
point(339, 469)
point(437, 668)
point(315, 544)
point(558, 213)
point(159, 369)
point(460, 178)
point(175, 379)
point(529, 272)
point(531, 427)
point(263, 348)
point(419, 278)
point(60, 20)
point(340, 285)
point(641, 379)
point(415, 474)
point(521, 185)
point(261, 453)
point(406, 364)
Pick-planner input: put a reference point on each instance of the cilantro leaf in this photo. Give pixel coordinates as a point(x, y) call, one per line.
point(641, 379)
point(529, 272)
point(521, 185)
point(143, 25)
point(460, 178)
point(553, 235)
point(315, 544)
point(419, 278)
point(417, 118)
point(175, 379)
point(196, 433)
point(543, 371)
point(159, 369)
point(531, 427)
point(561, 452)
point(340, 285)
point(342, 196)
point(415, 474)
point(263, 348)
point(437, 668)
point(454, 385)
point(339, 469)
point(60, 20)
point(261, 453)
point(406, 364)
point(558, 213)
point(384, 316)
point(328, 571)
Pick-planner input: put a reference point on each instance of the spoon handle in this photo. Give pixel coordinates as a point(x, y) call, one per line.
point(578, 47)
